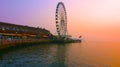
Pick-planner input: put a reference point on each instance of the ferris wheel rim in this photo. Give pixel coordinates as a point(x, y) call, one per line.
point(61, 20)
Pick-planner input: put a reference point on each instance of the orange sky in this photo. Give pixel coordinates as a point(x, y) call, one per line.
point(94, 19)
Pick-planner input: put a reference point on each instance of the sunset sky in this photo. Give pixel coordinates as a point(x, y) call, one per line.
point(93, 19)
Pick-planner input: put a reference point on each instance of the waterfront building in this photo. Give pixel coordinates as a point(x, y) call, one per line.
point(10, 31)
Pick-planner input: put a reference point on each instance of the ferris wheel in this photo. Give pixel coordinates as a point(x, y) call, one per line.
point(61, 20)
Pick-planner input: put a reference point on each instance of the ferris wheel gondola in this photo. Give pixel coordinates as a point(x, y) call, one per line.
point(61, 20)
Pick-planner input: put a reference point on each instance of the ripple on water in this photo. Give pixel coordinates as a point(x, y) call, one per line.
point(54, 55)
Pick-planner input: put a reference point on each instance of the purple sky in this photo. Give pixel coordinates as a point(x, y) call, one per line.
point(93, 19)
point(37, 13)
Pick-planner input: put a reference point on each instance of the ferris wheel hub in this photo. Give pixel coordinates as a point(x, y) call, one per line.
point(61, 20)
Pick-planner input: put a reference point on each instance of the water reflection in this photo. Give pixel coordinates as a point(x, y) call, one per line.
point(36, 56)
point(60, 56)
point(88, 54)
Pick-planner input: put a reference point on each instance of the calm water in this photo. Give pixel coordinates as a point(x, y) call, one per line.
point(85, 54)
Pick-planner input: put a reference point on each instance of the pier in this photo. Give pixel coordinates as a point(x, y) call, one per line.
point(12, 35)
point(28, 42)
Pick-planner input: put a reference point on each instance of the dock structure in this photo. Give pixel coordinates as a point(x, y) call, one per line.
point(13, 31)
point(18, 35)
point(13, 34)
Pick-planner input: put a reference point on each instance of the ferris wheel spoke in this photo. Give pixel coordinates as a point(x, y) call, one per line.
point(61, 20)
